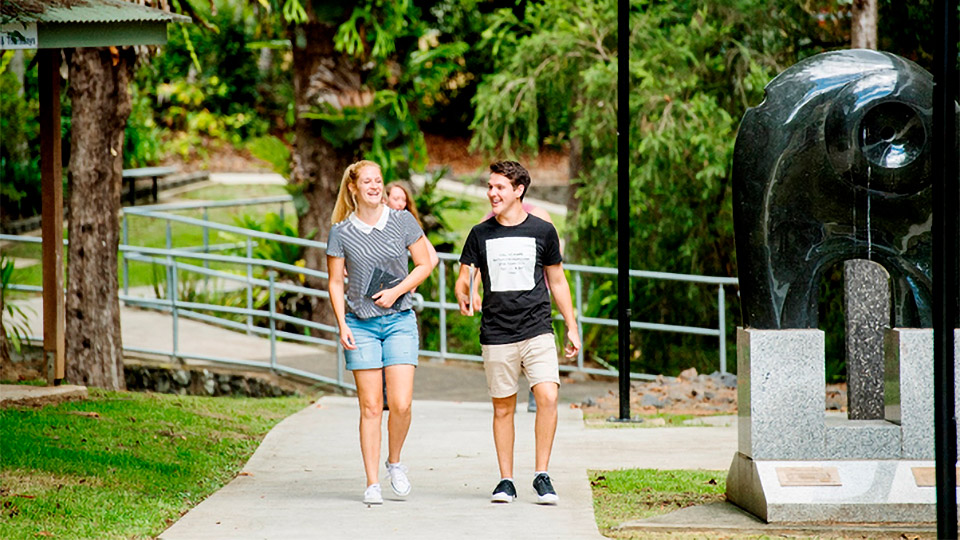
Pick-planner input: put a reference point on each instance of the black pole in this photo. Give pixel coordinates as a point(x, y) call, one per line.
point(623, 203)
point(945, 236)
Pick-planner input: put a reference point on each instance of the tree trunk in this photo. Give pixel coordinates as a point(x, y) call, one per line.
point(101, 105)
point(321, 75)
point(6, 364)
point(863, 30)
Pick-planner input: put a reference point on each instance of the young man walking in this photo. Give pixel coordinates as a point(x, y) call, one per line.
point(518, 255)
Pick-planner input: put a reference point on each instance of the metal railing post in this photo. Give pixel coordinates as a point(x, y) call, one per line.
point(126, 263)
point(578, 294)
point(722, 327)
point(249, 286)
point(172, 292)
point(443, 310)
point(271, 275)
point(206, 235)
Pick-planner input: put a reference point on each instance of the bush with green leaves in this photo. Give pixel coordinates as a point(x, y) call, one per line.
point(14, 318)
point(20, 128)
point(694, 68)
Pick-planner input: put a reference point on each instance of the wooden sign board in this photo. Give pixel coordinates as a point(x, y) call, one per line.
point(808, 476)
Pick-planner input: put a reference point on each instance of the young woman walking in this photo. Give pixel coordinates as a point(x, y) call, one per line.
point(399, 197)
point(378, 329)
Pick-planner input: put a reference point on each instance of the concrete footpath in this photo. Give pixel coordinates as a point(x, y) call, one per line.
point(306, 478)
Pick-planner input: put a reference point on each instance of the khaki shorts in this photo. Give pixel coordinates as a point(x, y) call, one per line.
point(537, 357)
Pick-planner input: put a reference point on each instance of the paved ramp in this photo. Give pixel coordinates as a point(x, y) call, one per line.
point(306, 478)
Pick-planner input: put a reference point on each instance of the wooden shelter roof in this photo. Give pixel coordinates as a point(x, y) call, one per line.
point(44, 24)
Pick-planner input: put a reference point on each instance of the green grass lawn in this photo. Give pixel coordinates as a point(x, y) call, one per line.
point(123, 464)
point(631, 494)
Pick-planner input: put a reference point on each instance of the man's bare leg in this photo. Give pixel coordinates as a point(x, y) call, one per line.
point(503, 433)
point(545, 427)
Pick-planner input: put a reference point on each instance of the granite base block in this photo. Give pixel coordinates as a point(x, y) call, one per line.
point(781, 393)
point(862, 439)
point(909, 384)
point(871, 491)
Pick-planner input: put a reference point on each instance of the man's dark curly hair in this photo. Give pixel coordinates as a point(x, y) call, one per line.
point(515, 172)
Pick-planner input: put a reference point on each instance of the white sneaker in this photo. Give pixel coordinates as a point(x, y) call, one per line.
point(398, 479)
point(372, 495)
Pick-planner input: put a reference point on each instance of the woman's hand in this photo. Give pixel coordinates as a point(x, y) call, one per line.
point(346, 338)
point(387, 297)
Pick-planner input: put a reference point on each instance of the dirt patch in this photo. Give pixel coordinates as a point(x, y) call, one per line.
point(690, 393)
point(220, 157)
point(549, 166)
point(14, 482)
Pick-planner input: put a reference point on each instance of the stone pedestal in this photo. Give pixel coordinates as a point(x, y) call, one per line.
point(866, 303)
point(795, 465)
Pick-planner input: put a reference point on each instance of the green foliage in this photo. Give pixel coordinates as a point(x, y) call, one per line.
point(209, 83)
point(16, 331)
point(272, 150)
point(143, 138)
point(19, 143)
point(558, 63)
point(404, 64)
point(434, 207)
point(148, 458)
point(694, 68)
point(270, 250)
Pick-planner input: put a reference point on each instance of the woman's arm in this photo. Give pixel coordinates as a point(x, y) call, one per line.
point(335, 270)
point(421, 269)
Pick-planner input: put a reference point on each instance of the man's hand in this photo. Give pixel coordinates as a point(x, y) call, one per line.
point(465, 307)
point(573, 343)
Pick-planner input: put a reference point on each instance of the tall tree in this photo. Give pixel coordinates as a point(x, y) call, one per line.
point(323, 77)
point(101, 104)
point(863, 24)
point(359, 73)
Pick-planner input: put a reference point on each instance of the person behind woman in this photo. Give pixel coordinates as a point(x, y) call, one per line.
point(378, 329)
point(399, 197)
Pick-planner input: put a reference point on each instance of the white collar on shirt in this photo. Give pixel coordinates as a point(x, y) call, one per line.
point(367, 229)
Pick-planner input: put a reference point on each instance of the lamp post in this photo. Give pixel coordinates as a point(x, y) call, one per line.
point(623, 204)
point(945, 236)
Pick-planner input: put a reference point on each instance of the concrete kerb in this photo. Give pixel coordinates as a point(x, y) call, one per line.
point(724, 518)
point(27, 395)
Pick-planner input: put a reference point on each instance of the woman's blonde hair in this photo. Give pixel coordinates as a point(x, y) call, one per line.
point(411, 205)
point(346, 202)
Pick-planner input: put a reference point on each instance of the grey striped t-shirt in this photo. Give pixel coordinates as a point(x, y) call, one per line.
point(374, 253)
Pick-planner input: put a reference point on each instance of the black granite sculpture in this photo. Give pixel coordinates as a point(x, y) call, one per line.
point(835, 165)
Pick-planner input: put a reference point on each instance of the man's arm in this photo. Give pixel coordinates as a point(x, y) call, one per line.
point(561, 295)
point(462, 289)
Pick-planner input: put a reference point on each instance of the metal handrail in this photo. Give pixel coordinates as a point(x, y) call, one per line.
point(173, 260)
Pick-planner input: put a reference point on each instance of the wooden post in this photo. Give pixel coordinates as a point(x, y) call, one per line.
point(51, 184)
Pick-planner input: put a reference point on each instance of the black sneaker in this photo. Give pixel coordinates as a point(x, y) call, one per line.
point(504, 493)
point(545, 492)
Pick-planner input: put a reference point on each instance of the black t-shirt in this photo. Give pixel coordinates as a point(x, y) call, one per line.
point(516, 305)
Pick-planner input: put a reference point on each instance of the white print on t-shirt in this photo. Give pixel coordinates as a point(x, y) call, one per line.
point(511, 263)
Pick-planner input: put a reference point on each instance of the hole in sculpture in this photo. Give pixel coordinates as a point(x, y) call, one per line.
point(831, 320)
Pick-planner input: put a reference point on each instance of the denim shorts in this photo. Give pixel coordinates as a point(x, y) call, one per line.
point(383, 341)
